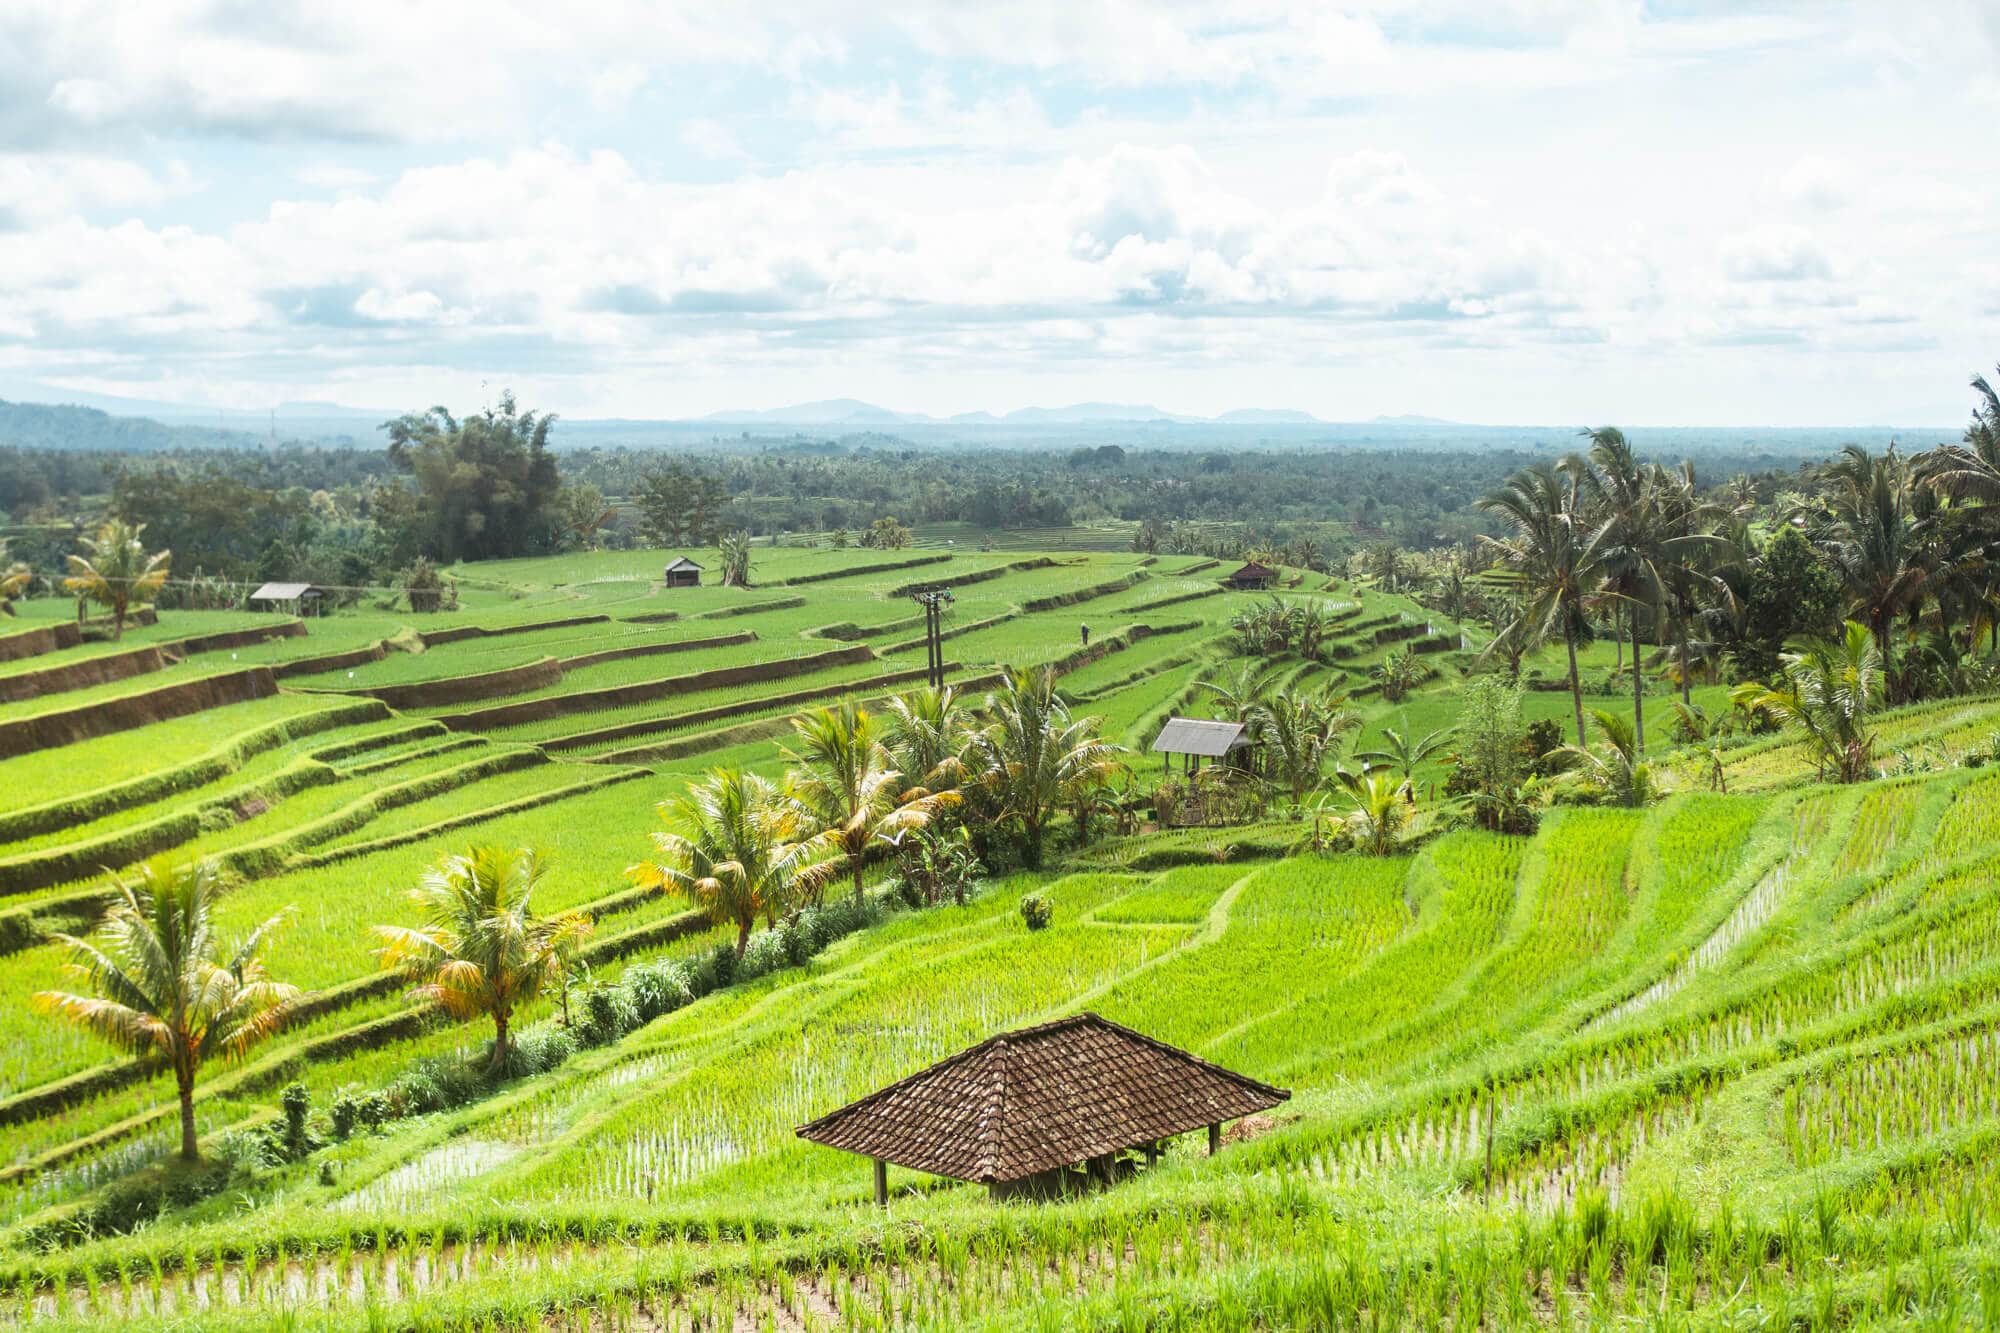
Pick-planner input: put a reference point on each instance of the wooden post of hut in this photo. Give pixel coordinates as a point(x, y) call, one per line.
point(1018, 1112)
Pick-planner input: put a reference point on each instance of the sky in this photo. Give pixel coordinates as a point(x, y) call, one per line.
point(1659, 212)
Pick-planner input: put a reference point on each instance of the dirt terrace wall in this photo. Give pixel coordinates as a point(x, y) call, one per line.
point(236, 638)
point(353, 657)
point(680, 747)
point(432, 638)
point(855, 571)
point(657, 649)
point(35, 642)
point(584, 701)
point(536, 675)
point(976, 576)
point(136, 710)
point(721, 713)
point(80, 675)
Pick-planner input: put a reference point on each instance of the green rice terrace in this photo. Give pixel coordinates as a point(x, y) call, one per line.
point(1726, 1058)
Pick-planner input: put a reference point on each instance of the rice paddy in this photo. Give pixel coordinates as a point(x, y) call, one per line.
point(1727, 1061)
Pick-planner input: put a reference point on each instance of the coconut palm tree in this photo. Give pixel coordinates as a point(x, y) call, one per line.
point(164, 983)
point(1872, 533)
point(1377, 814)
point(1550, 550)
point(1238, 694)
point(926, 738)
point(117, 573)
point(1830, 687)
point(1693, 547)
point(726, 846)
point(1299, 732)
point(1403, 752)
point(1628, 540)
point(1032, 754)
point(1970, 470)
point(481, 951)
point(1617, 770)
point(842, 793)
point(1398, 674)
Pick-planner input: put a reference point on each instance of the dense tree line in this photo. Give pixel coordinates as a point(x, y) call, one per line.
point(493, 484)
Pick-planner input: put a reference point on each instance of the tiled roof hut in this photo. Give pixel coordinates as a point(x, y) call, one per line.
point(1017, 1111)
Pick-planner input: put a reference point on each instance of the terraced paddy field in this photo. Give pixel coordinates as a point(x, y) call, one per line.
point(1726, 1061)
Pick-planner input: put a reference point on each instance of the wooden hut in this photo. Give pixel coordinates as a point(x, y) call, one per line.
point(682, 572)
point(1022, 1112)
point(1253, 577)
point(1196, 739)
point(300, 599)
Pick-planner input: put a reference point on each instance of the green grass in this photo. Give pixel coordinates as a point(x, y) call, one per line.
point(1735, 1050)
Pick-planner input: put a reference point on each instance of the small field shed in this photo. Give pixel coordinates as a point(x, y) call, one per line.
point(300, 599)
point(1196, 739)
point(682, 572)
point(1022, 1112)
point(1253, 577)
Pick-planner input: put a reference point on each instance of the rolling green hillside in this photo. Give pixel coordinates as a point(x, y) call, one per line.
point(1729, 1060)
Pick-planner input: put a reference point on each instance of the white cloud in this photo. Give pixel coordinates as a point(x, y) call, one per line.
point(1775, 253)
point(1534, 192)
point(1818, 184)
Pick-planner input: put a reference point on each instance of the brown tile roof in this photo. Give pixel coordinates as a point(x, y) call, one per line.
point(1040, 1098)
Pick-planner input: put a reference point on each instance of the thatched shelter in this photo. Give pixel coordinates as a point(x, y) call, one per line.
point(1253, 577)
point(1018, 1111)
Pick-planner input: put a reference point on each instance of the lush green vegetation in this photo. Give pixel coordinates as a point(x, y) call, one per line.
point(1723, 1054)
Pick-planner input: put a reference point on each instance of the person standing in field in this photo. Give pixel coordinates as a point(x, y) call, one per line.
point(1086, 633)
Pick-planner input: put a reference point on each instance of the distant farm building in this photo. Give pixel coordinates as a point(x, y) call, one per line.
point(1196, 739)
point(300, 599)
point(683, 573)
point(1044, 1109)
point(1253, 577)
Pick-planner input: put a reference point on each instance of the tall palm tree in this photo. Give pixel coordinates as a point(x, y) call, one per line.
point(842, 793)
point(1550, 549)
point(1403, 752)
point(1872, 533)
point(726, 847)
point(1299, 732)
point(1032, 754)
point(1830, 688)
point(166, 986)
point(1694, 546)
point(1970, 470)
point(927, 733)
point(1238, 694)
point(1627, 540)
point(1967, 475)
point(481, 951)
point(117, 573)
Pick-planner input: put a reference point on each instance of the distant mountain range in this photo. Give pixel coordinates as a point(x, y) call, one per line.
point(854, 412)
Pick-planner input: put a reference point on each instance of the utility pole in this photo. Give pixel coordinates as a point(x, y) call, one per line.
point(934, 598)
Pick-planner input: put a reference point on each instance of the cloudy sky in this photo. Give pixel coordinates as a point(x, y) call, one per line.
point(1643, 211)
